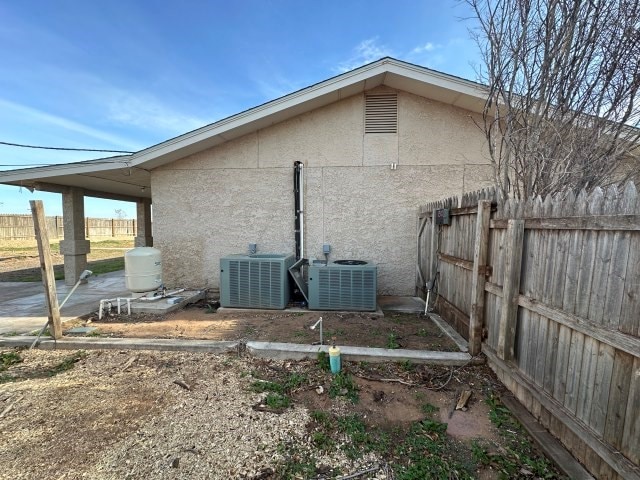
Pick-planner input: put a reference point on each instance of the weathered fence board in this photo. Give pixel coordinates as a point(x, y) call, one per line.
point(575, 308)
point(16, 227)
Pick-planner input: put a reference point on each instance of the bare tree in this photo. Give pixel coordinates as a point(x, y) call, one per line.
point(564, 77)
point(120, 213)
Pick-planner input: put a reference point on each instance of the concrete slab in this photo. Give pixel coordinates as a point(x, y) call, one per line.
point(395, 303)
point(167, 304)
point(23, 309)
point(378, 313)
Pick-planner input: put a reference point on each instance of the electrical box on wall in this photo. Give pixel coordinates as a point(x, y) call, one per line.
point(443, 216)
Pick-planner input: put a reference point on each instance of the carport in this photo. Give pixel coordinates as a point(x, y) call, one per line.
point(111, 178)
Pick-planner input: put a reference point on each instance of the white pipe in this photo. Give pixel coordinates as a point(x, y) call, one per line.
point(301, 165)
point(84, 275)
point(319, 322)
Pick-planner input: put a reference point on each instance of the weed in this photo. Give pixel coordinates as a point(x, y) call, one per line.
point(427, 454)
point(293, 381)
point(407, 366)
point(296, 463)
point(362, 439)
point(518, 452)
point(260, 386)
point(11, 334)
point(277, 401)
point(422, 332)
point(428, 409)
point(94, 333)
point(9, 358)
point(323, 441)
point(321, 418)
point(68, 363)
point(392, 342)
point(323, 361)
point(343, 385)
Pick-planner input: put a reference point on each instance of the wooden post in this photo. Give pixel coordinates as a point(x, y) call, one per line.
point(46, 265)
point(510, 289)
point(433, 257)
point(113, 228)
point(420, 280)
point(480, 251)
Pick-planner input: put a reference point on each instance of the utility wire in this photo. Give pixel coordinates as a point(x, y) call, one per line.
point(63, 148)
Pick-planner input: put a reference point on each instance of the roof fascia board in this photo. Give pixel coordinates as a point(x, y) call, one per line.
point(63, 169)
point(459, 85)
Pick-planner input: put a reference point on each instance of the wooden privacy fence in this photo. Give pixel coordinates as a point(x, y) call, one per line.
point(550, 292)
point(14, 227)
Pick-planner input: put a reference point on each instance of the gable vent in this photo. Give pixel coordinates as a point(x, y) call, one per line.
point(381, 113)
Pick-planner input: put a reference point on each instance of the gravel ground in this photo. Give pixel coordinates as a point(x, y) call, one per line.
point(120, 415)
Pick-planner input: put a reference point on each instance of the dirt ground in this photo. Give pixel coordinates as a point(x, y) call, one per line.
point(394, 330)
point(19, 259)
point(117, 415)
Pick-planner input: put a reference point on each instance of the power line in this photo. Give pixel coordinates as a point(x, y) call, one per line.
point(63, 148)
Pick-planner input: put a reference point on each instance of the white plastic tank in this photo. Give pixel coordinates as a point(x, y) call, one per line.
point(143, 269)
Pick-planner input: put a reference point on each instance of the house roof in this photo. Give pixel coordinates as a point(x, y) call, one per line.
point(127, 176)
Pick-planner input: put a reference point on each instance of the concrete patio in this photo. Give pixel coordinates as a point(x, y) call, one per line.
point(23, 309)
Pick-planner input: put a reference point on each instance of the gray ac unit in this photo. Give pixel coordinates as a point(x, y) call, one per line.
point(255, 281)
point(343, 285)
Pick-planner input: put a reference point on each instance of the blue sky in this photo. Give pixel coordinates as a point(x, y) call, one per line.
point(125, 75)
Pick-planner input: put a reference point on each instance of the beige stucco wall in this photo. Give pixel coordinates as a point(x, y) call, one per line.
point(214, 203)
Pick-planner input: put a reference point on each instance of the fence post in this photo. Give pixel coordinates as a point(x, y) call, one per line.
point(510, 289)
point(113, 228)
point(480, 251)
point(433, 255)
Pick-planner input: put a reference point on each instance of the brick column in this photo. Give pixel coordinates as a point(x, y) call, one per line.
point(144, 236)
point(75, 246)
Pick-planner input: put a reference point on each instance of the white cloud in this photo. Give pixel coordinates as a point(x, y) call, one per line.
point(38, 118)
point(144, 111)
point(427, 47)
point(365, 52)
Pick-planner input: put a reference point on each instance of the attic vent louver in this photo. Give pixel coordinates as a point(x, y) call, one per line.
point(381, 113)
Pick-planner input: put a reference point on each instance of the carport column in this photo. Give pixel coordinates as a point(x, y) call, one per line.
point(144, 237)
point(75, 246)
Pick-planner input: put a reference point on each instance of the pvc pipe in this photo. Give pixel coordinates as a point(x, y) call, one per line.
point(301, 166)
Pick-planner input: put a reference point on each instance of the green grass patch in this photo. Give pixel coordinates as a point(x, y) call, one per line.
point(106, 266)
point(68, 363)
point(277, 401)
point(517, 452)
point(343, 385)
point(428, 409)
point(9, 358)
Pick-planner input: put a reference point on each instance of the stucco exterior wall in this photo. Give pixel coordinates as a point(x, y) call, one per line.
point(214, 203)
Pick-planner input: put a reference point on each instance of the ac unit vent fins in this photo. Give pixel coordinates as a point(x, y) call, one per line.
point(381, 113)
point(255, 281)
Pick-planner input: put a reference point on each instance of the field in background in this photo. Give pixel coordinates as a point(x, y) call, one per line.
point(19, 261)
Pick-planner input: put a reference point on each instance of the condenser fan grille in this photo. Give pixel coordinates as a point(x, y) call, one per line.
point(343, 285)
point(247, 282)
